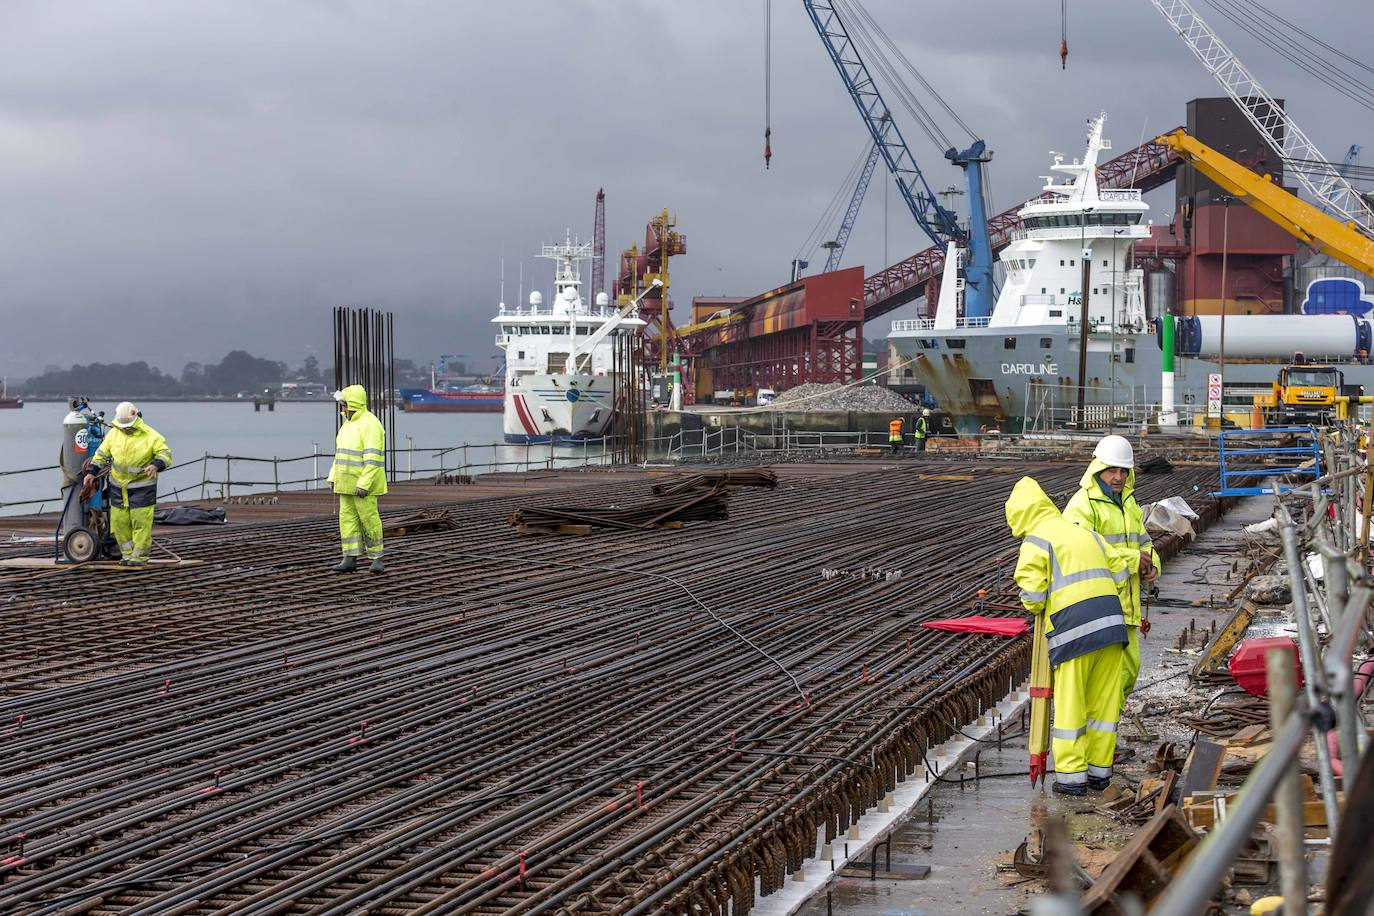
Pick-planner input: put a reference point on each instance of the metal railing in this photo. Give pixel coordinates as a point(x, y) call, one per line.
point(225, 476)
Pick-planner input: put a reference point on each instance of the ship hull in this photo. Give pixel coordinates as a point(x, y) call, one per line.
point(562, 408)
point(452, 402)
point(1015, 378)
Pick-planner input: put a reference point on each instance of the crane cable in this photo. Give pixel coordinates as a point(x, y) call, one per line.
point(767, 82)
point(1063, 34)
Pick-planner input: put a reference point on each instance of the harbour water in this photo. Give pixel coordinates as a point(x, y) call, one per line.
point(32, 437)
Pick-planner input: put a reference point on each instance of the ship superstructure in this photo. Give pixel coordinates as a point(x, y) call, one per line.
point(560, 373)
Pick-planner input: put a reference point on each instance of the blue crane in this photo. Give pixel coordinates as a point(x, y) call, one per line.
point(836, 247)
point(939, 223)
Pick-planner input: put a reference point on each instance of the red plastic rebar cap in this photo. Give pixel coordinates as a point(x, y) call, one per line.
point(1247, 663)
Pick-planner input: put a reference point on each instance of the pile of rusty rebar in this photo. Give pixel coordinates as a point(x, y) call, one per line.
point(690, 505)
point(655, 724)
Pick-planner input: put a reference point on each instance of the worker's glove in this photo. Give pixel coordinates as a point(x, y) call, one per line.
point(360, 492)
point(151, 471)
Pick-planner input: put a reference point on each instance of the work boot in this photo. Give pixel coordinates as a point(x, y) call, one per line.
point(377, 566)
point(1099, 783)
point(347, 564)
point(136, 561)
point(1060, 789)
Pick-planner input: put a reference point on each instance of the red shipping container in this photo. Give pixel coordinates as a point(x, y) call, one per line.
point(1247, 663)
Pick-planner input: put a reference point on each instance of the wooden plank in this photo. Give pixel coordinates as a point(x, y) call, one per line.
point(1202, 769)
point(1145, 865)
point(101, 565)
point(1214, 655)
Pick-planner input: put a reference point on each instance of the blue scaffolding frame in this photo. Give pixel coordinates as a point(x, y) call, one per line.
point(1305, 448)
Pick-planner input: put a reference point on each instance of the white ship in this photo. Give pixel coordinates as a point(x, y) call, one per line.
point(1013, 369)
point(560, 380)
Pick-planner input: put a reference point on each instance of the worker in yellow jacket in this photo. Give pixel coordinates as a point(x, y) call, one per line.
point(1105, 503)
point(358, 475)
point(1065, 573)
point(134, 454)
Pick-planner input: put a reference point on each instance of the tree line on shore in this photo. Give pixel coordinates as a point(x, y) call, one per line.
point(239, 372)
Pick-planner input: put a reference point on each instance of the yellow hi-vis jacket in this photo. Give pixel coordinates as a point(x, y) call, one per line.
point(359, 449)
point(1121, 526)
point(126, 452)
point(1064, 572)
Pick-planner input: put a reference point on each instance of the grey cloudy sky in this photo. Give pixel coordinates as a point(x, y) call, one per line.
point(178, 179)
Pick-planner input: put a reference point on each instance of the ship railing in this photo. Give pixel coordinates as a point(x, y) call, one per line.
point(928, 324)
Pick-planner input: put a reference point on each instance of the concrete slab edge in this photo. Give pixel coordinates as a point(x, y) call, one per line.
point(876, 824)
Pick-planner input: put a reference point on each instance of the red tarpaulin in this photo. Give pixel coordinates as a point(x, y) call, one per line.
point(993, 626)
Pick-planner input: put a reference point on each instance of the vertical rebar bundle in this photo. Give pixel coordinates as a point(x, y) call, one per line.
point(627, 425)
point(365, 354)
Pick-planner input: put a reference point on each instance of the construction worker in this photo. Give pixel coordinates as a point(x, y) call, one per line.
point(134, 454)
point(1105, 503)
point(358, 475)
point(894, 434)
point(922, 429)
point(1064, 571)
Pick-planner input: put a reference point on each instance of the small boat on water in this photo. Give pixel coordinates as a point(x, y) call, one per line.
point(452, 389)
point(464, 399)
point(7, 402)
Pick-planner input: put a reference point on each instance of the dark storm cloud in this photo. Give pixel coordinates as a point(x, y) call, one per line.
point(217, 175)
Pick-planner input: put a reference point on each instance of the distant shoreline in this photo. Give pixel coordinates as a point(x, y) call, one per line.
point(161, 399)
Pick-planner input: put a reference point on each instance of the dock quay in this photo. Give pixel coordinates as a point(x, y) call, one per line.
point(659, 720)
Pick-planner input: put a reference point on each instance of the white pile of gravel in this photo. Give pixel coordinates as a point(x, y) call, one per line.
point(835, 396)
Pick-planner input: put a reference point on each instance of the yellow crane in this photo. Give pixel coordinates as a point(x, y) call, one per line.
point(1342, 241)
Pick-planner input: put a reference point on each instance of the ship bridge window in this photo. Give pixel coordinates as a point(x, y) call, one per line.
point(1046, 343)
point(955, 343)
point(929, 343)
point(1008, 343)
point(584, 331)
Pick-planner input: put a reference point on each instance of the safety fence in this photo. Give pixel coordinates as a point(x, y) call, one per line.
point(225, 476)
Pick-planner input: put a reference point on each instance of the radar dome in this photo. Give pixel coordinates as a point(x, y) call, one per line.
point(536, 298)
point(603, 300)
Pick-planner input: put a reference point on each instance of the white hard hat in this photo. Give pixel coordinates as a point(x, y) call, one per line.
point(125, 414)
point(339, 396)
point(1115, 451)
point(925, 411)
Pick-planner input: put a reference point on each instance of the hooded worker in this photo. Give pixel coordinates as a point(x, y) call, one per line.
point(1065, 573)
point(358, 475)
point(1105, 503)
point(134, 454)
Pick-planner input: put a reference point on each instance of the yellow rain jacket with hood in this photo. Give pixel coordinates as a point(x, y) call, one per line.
point(359, 449)
point(1122, 525)
point(1066, 573)
point(126, 451)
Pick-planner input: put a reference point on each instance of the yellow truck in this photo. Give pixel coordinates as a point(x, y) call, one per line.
point(1307, 394)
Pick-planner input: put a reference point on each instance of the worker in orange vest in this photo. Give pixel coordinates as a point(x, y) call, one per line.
point(894, 434)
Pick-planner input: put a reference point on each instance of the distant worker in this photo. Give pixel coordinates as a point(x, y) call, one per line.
point(1105, 503)
point(134, 454)
point(922, 429)
point(894, 434)
point(359, 477)
point(1064, 571)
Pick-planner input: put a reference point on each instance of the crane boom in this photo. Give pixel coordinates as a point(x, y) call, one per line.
point(1323, 232)
point(832, 260)
point(940, 224)
point(1322, 179)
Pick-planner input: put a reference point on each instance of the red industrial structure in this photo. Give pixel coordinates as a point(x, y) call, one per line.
point(807, 331)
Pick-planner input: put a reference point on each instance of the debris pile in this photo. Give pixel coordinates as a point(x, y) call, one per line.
point(697, 505)
point(745, 477)
point(837, 396)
